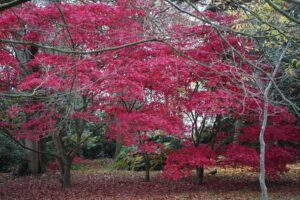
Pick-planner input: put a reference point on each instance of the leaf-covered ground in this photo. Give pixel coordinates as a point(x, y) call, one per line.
point(95, 180)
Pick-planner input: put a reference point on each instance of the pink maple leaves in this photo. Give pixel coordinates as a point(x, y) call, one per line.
point(182, 162)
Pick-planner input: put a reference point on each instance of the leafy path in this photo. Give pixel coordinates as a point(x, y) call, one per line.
point(92, 182)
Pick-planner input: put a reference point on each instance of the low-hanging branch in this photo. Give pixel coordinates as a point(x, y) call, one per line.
point(7, 133)
point(68, 51)
point(10, 4)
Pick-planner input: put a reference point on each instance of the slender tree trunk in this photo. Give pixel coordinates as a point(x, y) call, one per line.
point(66, 173)
point(262, 181)
point(67, 177)
point(119, 143)
point(199, 171)
point(65, 161)
point(42, 157)
point(264, 120)
point(199, 175)
point(237, 125)
point(118, 149)
point(147, 167)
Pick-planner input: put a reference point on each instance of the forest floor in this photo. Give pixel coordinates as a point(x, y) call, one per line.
point(96, 180)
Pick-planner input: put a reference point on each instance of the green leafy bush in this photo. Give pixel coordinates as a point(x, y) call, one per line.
point(98, 147)
point(129, 160)
point(11, 154)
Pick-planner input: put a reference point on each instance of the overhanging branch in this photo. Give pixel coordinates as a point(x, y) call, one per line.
point(10, 4)
point(68, 51)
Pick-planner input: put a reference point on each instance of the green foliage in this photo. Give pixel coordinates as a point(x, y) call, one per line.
point(129, 160)
point(125, 161)
point(274, 34)
point(157, 161)
point(94, 147)
point(98, 147)
point(81, 166)
point(169, 142)
point(50, 148)
point(11, 154)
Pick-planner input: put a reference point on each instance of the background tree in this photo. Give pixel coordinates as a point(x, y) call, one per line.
point(264, 88)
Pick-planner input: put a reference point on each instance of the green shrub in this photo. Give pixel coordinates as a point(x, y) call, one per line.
point(11, 154)
point(129, 160)
point(98, 147)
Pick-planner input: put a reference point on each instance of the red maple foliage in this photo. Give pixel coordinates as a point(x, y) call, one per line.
point(46, 62)
point(180, 163)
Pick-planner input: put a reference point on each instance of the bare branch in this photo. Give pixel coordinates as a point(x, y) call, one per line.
point(8, 134)
point(10, 4)
point(67, 51)
point(273, 5)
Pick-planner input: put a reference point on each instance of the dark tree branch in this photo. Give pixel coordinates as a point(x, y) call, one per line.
point(10, 4)
point(7, 133)
point(75, 149)
point(67, 51)
point(273, 5)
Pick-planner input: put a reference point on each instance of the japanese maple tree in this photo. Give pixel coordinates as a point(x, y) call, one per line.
point(281, 136)
point(208, 93)
point(221, 86)
point(48, 64)
point(140, 102)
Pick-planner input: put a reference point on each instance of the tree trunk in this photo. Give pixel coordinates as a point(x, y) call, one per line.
point(264, 120)
point(66, 173)
point(147, 167)
point(237, 125)
point(262, 181)
point(118, 149)
point(199, 175)
point(119, 143)
point(42, 157)
point(36, 161)
point(67, 177)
